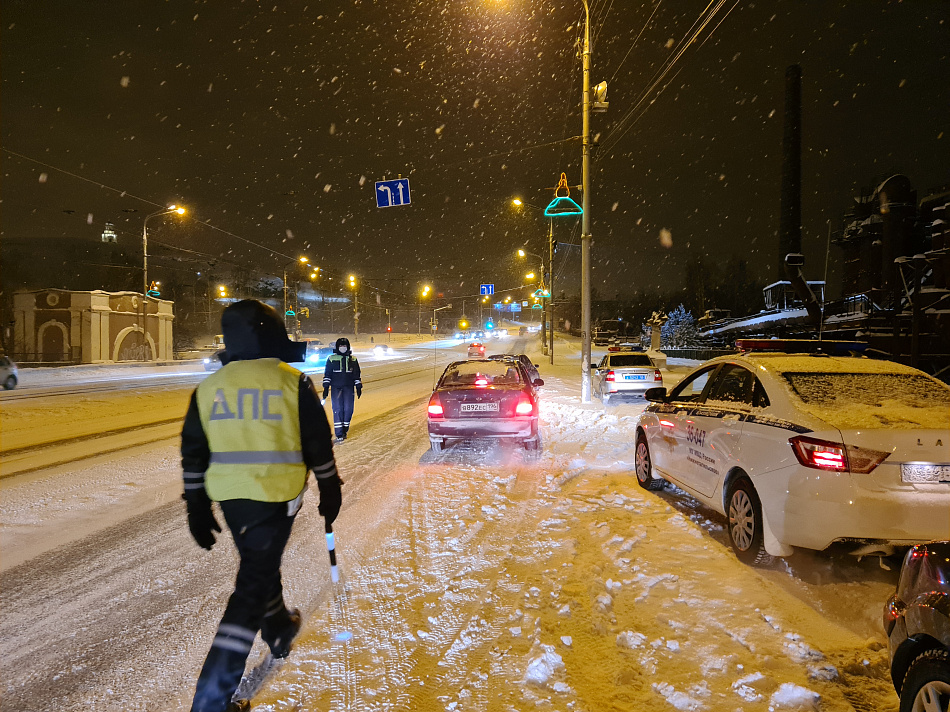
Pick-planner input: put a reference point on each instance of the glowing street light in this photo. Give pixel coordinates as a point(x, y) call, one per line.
point(164, 211)
point(530, 275)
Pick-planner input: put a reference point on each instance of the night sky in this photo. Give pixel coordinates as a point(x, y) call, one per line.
point(272, 120)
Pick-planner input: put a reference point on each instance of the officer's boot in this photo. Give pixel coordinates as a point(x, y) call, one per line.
point(223, 668)
point(280, 629)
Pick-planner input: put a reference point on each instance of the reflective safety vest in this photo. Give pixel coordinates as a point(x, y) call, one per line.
point(250, 414)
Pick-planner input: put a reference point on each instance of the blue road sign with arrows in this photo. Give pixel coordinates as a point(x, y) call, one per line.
point(487, 289)
point(390, 193)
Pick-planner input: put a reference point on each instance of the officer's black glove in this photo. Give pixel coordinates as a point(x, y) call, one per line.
point(359, 391)
point(201, 519)
point(331, 497)
point(326, 392)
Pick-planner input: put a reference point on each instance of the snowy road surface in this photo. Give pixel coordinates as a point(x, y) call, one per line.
point(476, 579)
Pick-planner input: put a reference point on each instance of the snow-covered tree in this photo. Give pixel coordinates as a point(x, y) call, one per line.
point(680, 330)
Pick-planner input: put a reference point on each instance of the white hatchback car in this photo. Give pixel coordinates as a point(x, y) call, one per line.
point(805, 450)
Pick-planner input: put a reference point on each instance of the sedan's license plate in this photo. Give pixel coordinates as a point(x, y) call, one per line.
point(634, 377)
point(925, 472)
point(479, 407)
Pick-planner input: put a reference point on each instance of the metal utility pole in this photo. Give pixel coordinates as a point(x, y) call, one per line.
point(551, 285)
point(585, 218)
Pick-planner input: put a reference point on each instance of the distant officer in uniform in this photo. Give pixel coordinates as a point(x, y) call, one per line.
point(252, 433)
point(342, 374)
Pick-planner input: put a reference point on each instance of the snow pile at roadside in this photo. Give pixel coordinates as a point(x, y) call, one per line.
point(560, 584)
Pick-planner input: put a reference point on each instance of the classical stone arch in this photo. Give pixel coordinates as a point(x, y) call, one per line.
point(136, 349)
point(52, 338)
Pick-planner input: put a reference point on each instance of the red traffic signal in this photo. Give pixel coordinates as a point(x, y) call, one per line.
point(389, 328)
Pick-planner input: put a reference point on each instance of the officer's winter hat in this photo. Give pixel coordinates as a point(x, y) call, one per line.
point(253, 330)
point(342, 341)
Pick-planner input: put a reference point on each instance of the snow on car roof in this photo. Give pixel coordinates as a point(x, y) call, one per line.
point(782, 363)
point(859, 393)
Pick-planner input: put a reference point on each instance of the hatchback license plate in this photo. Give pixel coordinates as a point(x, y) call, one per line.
point(924, 472)
point(479, 407)
point(634, 377)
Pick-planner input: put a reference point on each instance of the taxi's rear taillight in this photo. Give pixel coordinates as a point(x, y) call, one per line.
point(835, 457)
point(657, 376)
point(435, 407)
point(610, 376)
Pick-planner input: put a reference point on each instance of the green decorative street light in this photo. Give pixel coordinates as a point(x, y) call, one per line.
point(145, 283)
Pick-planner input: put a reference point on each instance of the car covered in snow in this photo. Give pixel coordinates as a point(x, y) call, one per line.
point(476, 350)
point(802, 448)
point(624, 373)
point(917, 623)
point(488, 398)
point(9, 375)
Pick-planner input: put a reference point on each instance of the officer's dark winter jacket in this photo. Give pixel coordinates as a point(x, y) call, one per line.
point(342, 370)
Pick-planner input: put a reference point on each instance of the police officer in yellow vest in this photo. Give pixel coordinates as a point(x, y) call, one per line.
point(253, 432)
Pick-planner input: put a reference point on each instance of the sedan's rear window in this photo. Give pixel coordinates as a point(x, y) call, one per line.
point(482, 373)
point(630, 360)
point(873, 400)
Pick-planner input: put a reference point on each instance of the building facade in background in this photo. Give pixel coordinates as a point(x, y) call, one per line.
point(61, 326)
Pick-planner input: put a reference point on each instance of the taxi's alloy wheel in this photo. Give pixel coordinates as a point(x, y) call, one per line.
point(745, 524)
point(926, 685)
point(644, 466)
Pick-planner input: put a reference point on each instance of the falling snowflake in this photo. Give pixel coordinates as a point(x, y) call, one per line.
point(326, 188)
point(124, 82)
point(666, 238)
point(44, 177)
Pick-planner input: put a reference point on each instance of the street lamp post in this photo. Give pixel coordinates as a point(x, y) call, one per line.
point(585, 218)
point(544, 334)
point(300, 260)
point(422, 294)
point(356, 308)
point(145, 283)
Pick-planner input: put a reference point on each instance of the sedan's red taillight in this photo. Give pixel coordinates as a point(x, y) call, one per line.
point(435, 407)
point(827, 455)
point(610, 376)
point(525, 406)
point(657, 376)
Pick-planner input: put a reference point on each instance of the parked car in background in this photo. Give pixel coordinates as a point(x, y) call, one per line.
point(476, 350)
point(624, 373)
point(805, 449)
point(917, 624)
point(487, 398)
point(9, 375)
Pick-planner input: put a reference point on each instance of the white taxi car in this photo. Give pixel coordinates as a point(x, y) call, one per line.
point(805, 449)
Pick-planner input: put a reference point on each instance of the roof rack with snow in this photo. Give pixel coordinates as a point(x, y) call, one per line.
point(801, 346)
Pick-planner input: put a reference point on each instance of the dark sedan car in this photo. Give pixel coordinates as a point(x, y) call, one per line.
point(917, 623)
point(484, 399)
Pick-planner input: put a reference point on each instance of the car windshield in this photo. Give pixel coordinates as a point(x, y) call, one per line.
point(628, 360)
point(873, 400)
point(481, 373)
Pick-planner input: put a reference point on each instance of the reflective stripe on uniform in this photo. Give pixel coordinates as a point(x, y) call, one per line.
point(256, 457)
point(234, 637)
point(324, 471)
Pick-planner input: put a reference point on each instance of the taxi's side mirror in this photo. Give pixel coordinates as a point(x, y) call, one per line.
point(655, 395)
point(538, 382)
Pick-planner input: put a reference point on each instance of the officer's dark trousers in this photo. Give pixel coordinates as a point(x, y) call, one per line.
point(260, 531)
point(342, 400)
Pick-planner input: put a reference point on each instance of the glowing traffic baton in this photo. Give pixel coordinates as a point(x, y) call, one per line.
point(331, 548)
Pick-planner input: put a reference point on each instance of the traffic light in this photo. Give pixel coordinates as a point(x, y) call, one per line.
point(463, 324)
point(389, 328)
point(489, 325)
